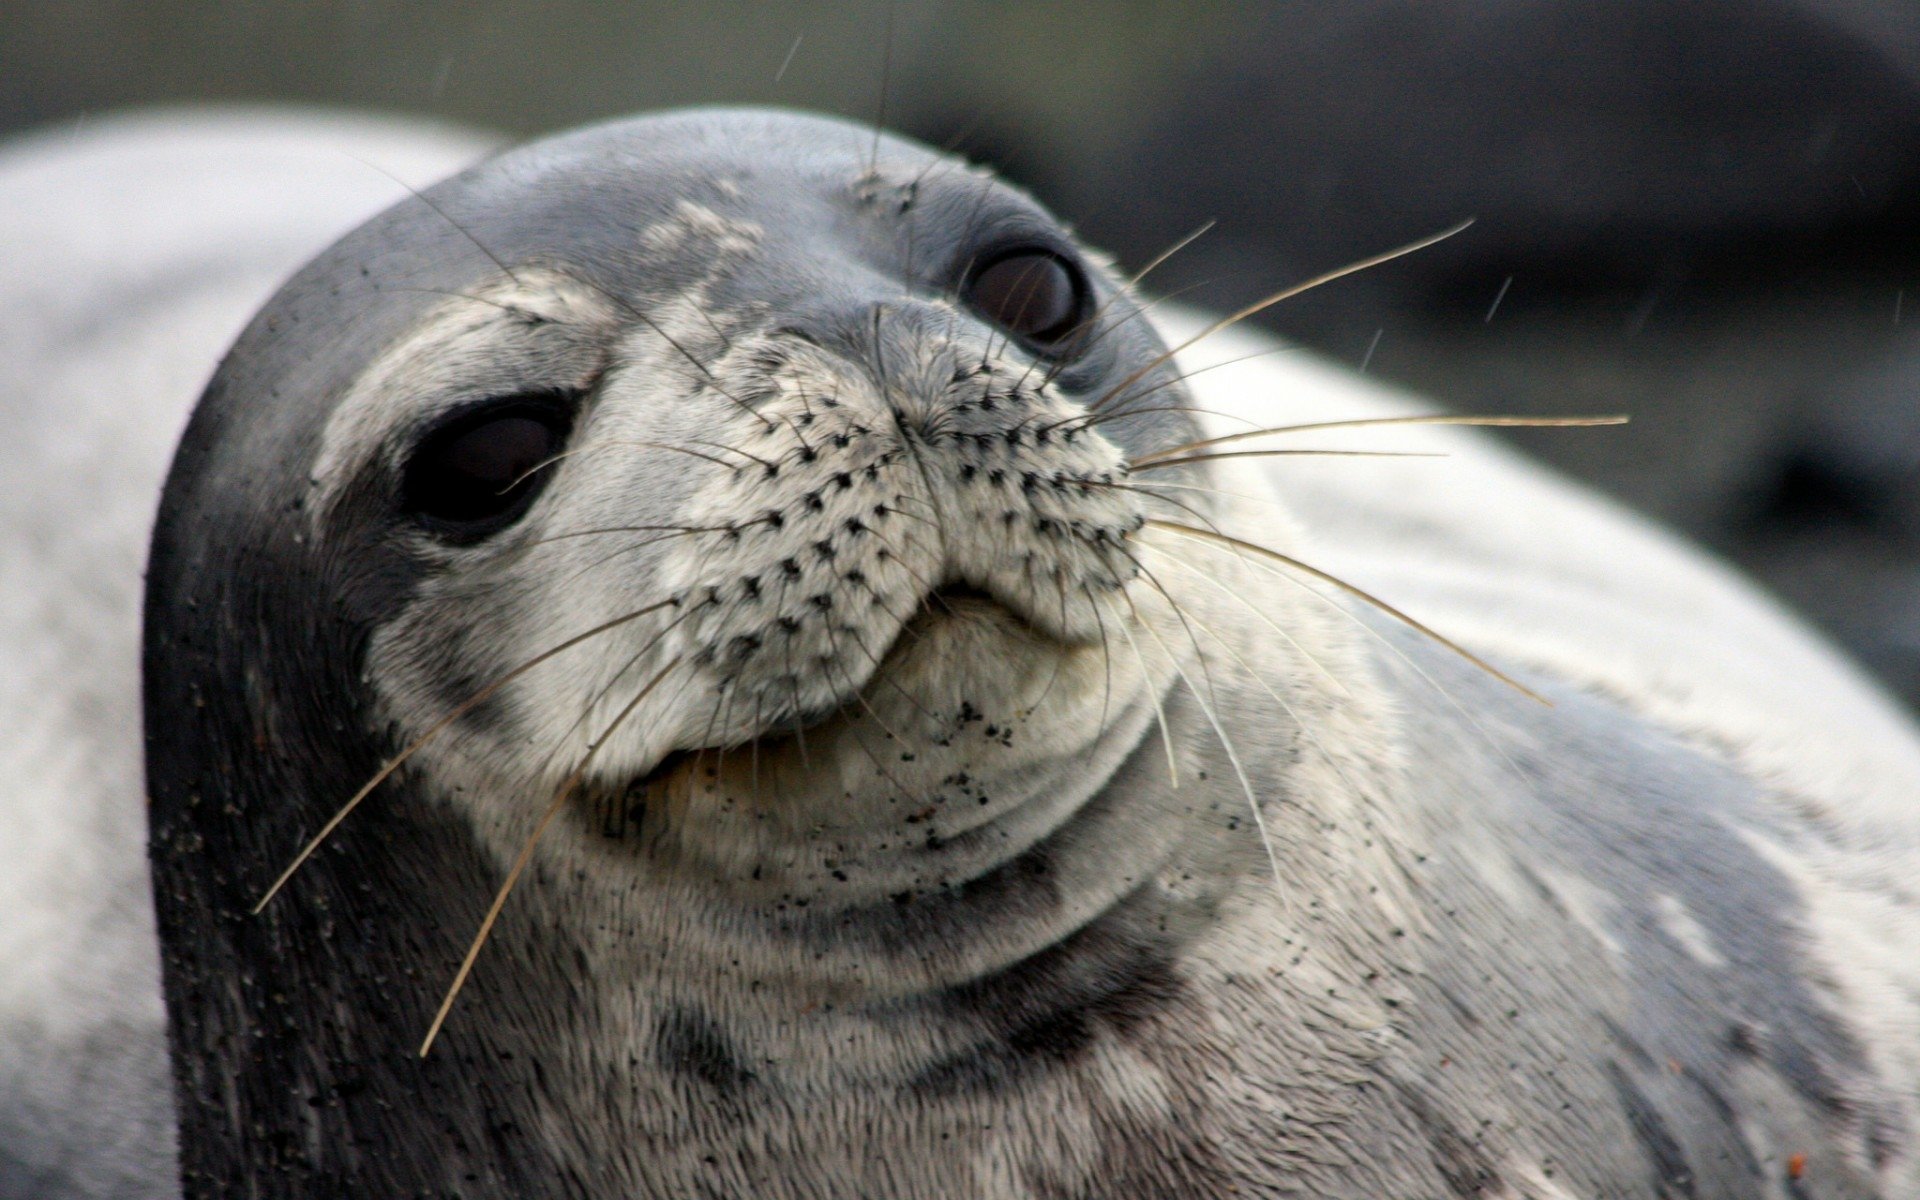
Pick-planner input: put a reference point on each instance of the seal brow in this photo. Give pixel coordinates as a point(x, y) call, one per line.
point(442, 213)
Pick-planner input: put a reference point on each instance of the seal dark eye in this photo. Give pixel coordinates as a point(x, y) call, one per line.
point(478, 471)
point(1035, 295)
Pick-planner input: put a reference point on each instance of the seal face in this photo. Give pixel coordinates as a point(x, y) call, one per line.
point(751, 499)
point(791, 563)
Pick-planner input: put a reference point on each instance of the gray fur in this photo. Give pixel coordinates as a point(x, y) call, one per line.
point(999, 919)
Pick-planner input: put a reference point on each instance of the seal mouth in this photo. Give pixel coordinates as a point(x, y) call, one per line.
point(960, 599)
point(948, 603)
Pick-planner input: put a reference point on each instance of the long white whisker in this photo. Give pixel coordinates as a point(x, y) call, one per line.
point(1501, 422)
point(1278, 629)
point(1288, 560)
point(1153, 693)
point(526, 855)
point(1233, 757)
point(1304, 726)
point(1269, 301)
point(397, 761)
point(1295, 581)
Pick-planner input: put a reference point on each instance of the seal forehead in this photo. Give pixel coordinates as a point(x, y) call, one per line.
point(692, 223)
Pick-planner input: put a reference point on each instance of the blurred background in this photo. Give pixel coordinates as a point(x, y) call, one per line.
point(1704, 212)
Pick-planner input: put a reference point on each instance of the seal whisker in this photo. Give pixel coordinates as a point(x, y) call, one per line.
point(1153, 693)
point(723, 704)
point(1133, 281)
point(1437, 419)
point(929, 588)
point(462, 709)
point(1191, 459)
point(1150, 488)
point(1139, 312)
point(442, 213)
point(1106, 658)
point(589, 568)
point(856, 691)
point(551, 459)
point(677, 449)
point(1278, 629)
point(1233, 757)
point(1306, 728)
point(753, 747)
point(1081, 421)
point(613, 681)
point(1354, 590)
point(797, 726)
point(886, 678)
point(599, 447)
point(1286, 293)
point(560, 798)
point(1406, 660)
point(1178, 609)
point(910, 515)
point(1059, 662)
point(692, 358)
point(713, 722)
point(726, 342)
point(903, 623)
point(1173, 381)
point(1208, 521)
point(771, 466)
point(669, 532)
point(706, 556)
point(806, 402)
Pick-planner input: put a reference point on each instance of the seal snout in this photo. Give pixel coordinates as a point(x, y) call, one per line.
point(866, 501)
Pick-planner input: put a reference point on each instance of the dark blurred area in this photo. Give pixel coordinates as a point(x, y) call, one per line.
point(1703, 212)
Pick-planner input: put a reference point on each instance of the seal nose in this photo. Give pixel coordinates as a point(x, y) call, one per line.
point(894, 341)
point(911, 352)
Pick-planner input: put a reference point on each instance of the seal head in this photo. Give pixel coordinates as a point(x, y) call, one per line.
point(748, 495)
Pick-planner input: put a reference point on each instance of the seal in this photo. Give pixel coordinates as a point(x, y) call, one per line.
point(740, 663)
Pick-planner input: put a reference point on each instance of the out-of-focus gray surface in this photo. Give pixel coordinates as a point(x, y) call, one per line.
point(1701, 212)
